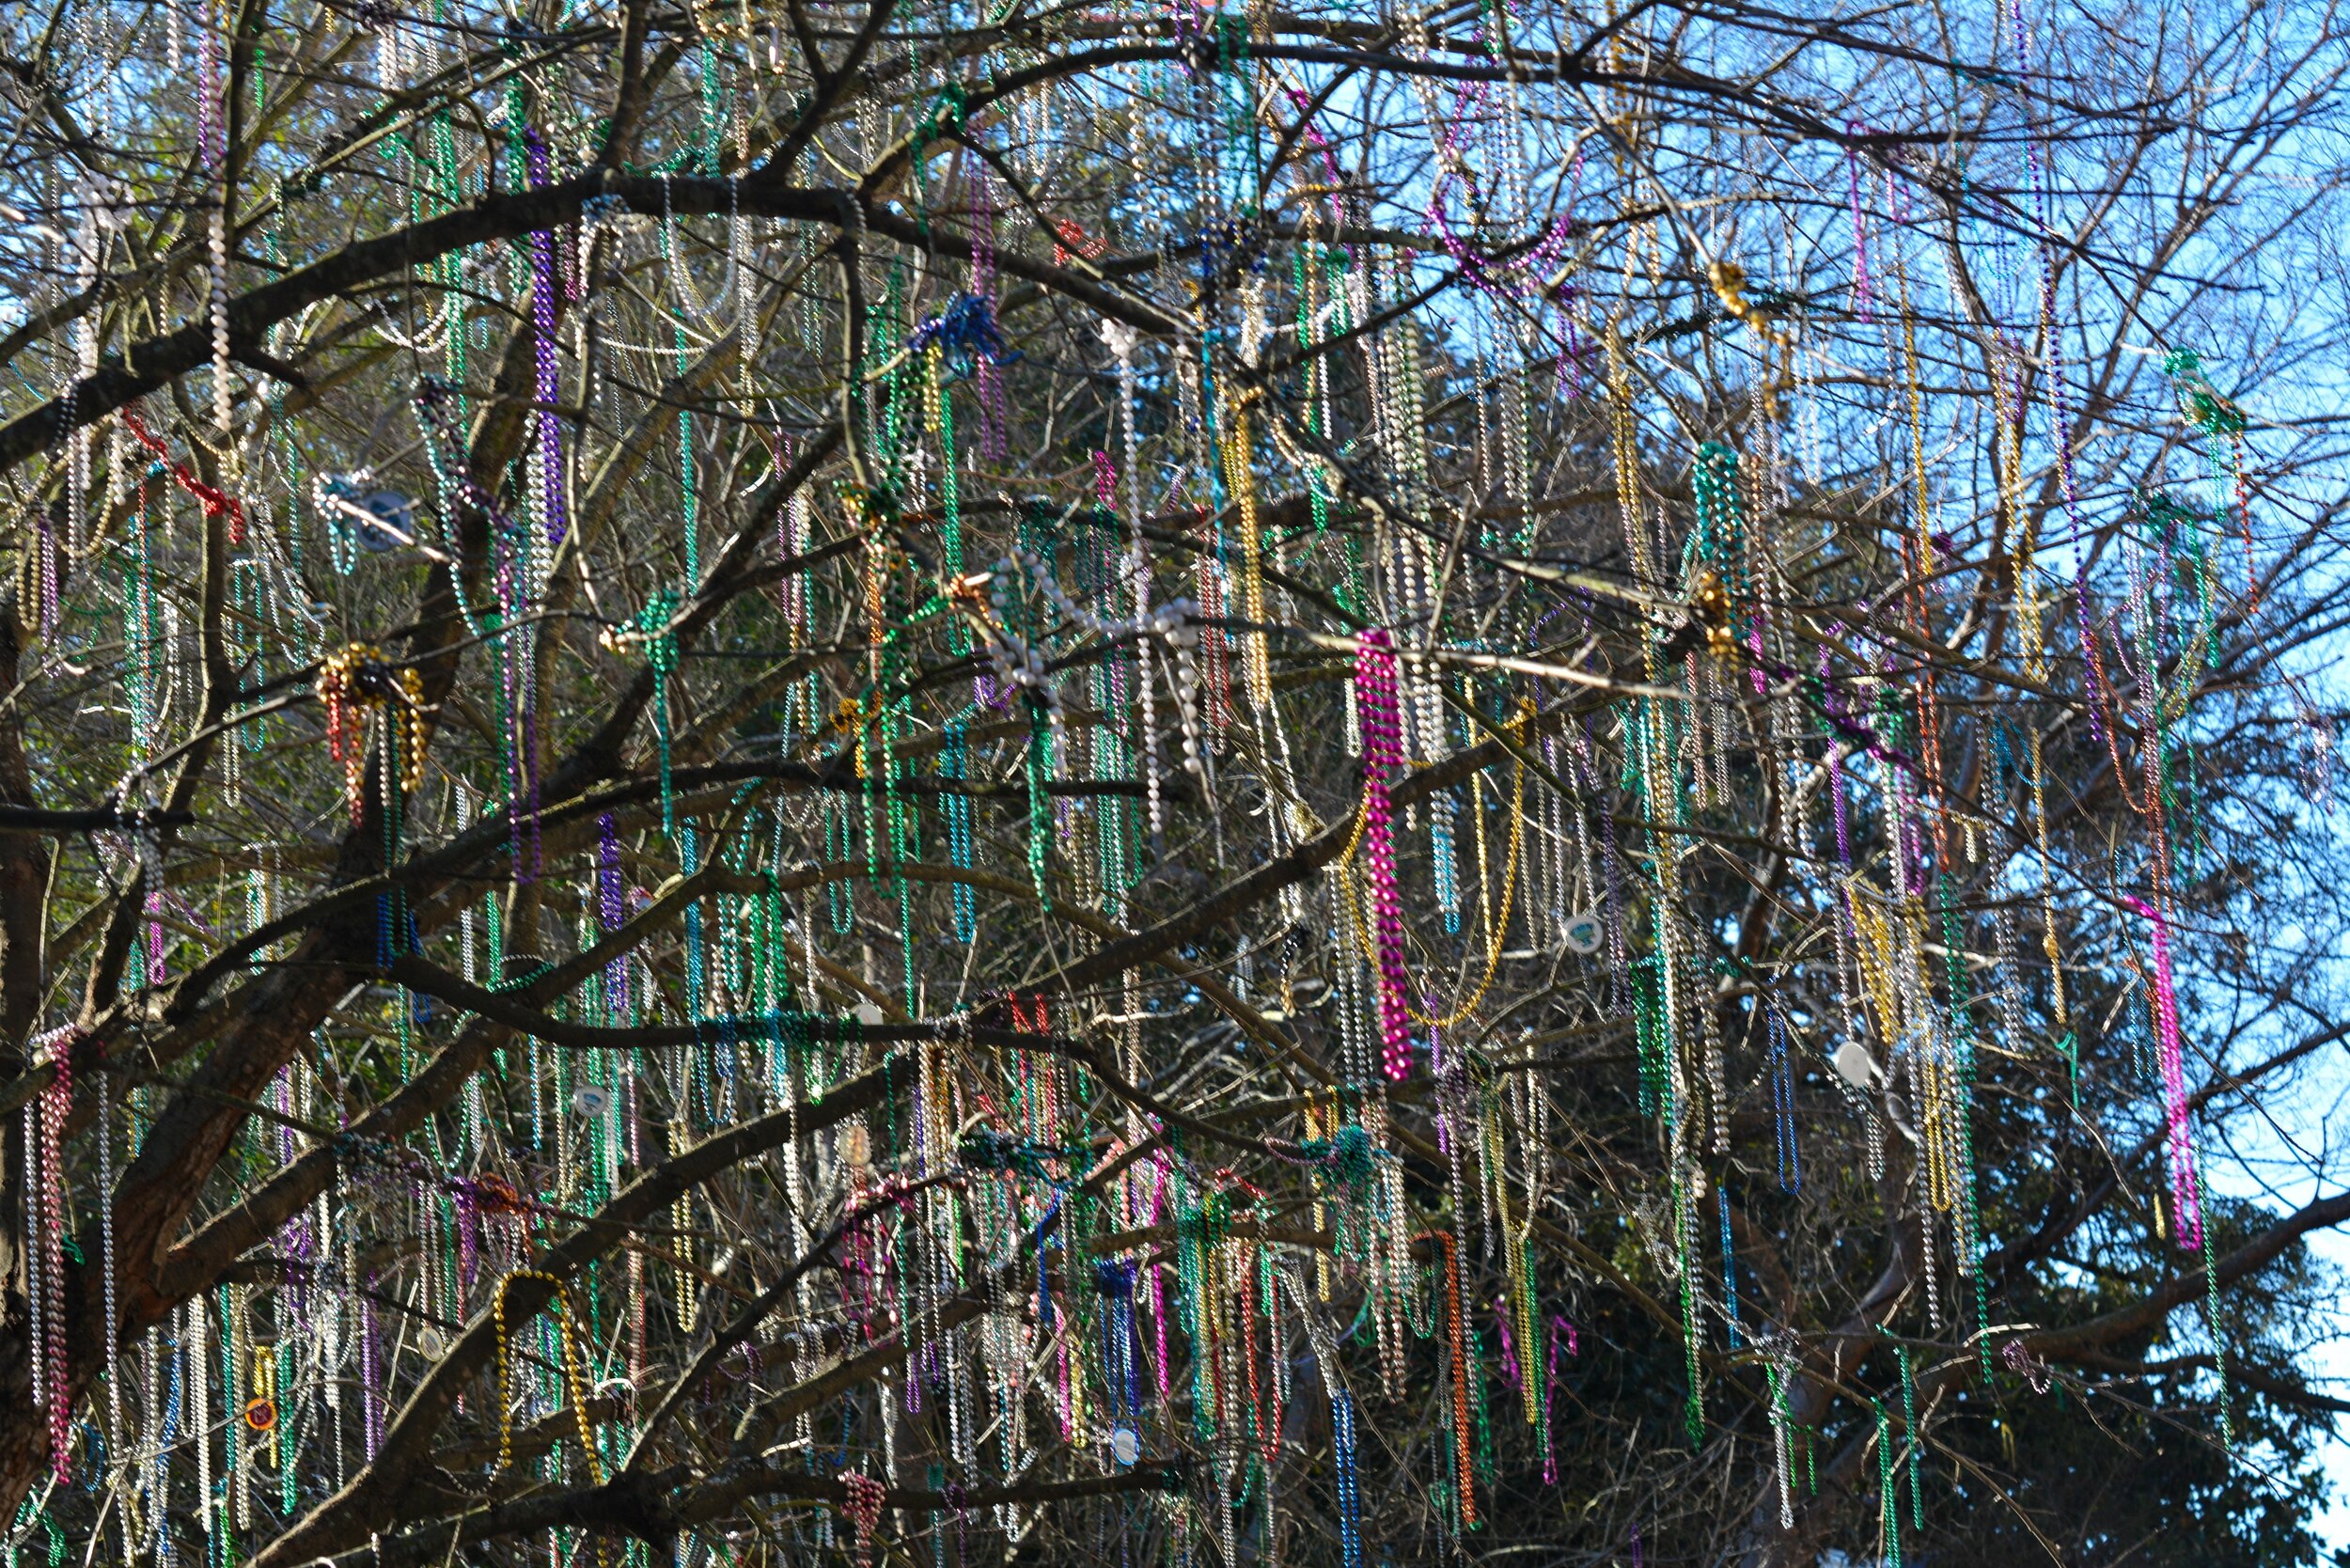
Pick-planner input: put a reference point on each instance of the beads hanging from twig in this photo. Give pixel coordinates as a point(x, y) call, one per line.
point(1375, 709)
point(355, 682)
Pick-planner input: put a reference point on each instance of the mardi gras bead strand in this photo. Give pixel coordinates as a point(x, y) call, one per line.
point(1239, 479)
point(1456, 1319)
point(1729, 1268)
point(863, 1505)
point(994, 423)
point(1909, 1431)
point(159, 1428)
point(44, 1259)
point(955, 805)
point(112, 1321)
point(1889, 1501)
point(1776, 1370)
point(236, 1504)
point(1122, 340)
point(208, 113)
point(1969, 1240)
point(195, 1371)
point(549, 475)
point(1375, 702)
point(612, 911)
point(215, 501)
point(1686, 1190)
point(1656, 774)
point(1358, 994)
point(354, 683)
point(2178, 1132)
point(2219, 1348)
point(1523, 1306)
point(939, 415)
point(2039, 158)
point(56, 1109)
point(573, 1389)
point(1442, 813)
point(1781, 1071)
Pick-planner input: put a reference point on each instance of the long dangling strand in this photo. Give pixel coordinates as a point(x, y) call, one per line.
point(1122, 340)
point(611, 908)
point(106, 1257)
point(57, 1107)
point(2187, 1204)
point(209, 110)
point(38, 1327)
point(549, 475)
point(1376, 702)
point(198, 1377)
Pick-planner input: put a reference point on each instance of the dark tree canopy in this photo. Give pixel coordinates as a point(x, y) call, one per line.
point(798, 780)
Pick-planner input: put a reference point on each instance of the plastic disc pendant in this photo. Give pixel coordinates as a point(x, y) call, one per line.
point(591, 1100)
point(429, 1345)
point(1583, 932)
point(1853, 1063)
point(1125, 1445)
point(391, 522)
point(868, 1015)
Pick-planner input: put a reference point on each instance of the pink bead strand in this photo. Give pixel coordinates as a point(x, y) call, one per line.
point(2187, 1201)
point(1374, 696)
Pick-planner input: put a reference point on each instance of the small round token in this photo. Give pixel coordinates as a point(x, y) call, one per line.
point(868, 1015)
point(591, 1100)
point(1584, 932)
point(856, 1145)
point(261, 1415)
point(430, 1345)
point(1125, 1445)
point(390, 521)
